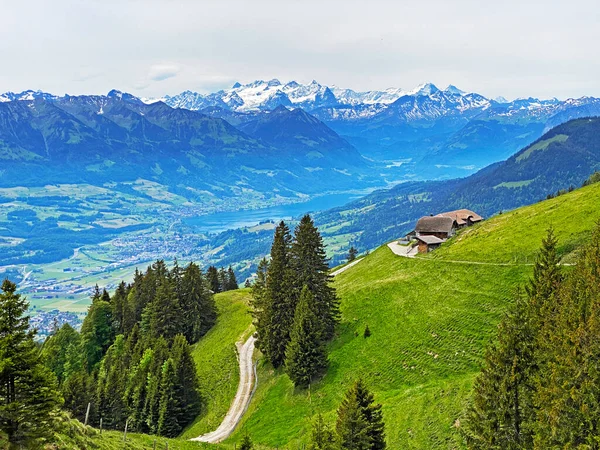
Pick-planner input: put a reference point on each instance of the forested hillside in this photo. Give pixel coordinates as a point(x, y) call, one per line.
point(561, 159)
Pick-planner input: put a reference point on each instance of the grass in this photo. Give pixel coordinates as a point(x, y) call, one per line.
point(542, 145)
point(430, 320)
point(216, 360)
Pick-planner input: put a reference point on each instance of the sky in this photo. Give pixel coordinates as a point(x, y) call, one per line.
point(155, 47)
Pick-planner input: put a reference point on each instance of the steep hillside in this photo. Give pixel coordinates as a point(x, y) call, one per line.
point(117, 138)
point(430, 319)
point(564, 157)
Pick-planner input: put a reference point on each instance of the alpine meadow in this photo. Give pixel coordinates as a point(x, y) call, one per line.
point(237, 225)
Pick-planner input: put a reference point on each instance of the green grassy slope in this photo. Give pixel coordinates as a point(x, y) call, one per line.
point(216, 360)
point(430, 319)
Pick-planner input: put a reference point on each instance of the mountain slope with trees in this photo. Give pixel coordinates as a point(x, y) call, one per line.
point(430, 320)
point(561, 159)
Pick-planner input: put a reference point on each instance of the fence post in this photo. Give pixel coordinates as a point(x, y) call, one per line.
point(100, 425)
point(87, 414)
point(125, 432)
point(154, 445)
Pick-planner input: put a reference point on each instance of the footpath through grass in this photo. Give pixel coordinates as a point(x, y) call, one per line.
point(430, 321)
point(216, 360)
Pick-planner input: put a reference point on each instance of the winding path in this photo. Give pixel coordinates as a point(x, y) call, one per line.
point(244, 394)
point(246, 387)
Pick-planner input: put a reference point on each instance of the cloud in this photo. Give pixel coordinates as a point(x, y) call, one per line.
point(161, 72)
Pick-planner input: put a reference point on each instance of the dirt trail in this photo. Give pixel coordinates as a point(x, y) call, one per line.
point(246, 389)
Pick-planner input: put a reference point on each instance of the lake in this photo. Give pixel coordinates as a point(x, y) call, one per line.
point(222, 221)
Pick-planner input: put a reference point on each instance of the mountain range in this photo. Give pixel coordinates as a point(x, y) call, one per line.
point(432, 127)
point(117, 137)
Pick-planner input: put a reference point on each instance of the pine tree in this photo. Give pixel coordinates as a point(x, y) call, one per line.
point(168, 407)
point(352, 253)
point(322, 437)
point(28, 395)
point(160, 353)
point(310, 268)
point(111, 384)
point(246, 443)
point(213, 279)
point(360, 421)
point(222, 280)
point(502, 414)
point(306, 356)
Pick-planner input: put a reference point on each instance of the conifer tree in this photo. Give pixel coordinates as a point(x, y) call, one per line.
point(306, 356)
point(186, 381)
point(222, 280)
point(160, 353)
point(502, 413)
point(322, 437)
point(61, 352)
point(197, 304)
point(310, 268)
point(260, 306)
point(279, 301)
point(28, 395)
point(360, 421)
point(213, 279)
point(168, 407)
point(111, 384)
point(568, 386)
point(118, 303)
point(232, 283)
point(97, 332)
point(352, 254)
point(163, 315)
point(246, 443)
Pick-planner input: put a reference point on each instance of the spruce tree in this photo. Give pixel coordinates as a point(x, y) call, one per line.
point(61, 352)
point(118, 303)
point(168, 407)
point(28, 395)
point(246, 443)
point(501, 414)
point(197, 304)
point(322, 437)
point(213, 279)
point(360, 421)
point(568, 386)
point(232, 283)
point(279, 301)
point(306, 356)
point(352, 254)
point(97, 332)
point(186, 381)
point(310, 267)
point(163, 315)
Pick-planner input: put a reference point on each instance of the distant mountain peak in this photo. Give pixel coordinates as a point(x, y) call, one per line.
point(453, 90)
point(236, 85)
point(424, 89)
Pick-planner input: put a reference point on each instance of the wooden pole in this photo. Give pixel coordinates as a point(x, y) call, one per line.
point(100, 425)
point(87, 414)
point(154, 445)
point(125, 433)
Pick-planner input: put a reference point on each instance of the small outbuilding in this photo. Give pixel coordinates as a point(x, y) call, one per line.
point(428, 243)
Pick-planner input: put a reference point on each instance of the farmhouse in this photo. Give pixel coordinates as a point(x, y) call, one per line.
point(432, 231)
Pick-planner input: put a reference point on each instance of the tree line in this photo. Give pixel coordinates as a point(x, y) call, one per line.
point(221, 280)
point(132, 360)
point(540, 384)
point(294, 306)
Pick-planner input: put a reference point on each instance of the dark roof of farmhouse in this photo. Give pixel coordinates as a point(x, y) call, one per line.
point(461, 216)
point(434, 224)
